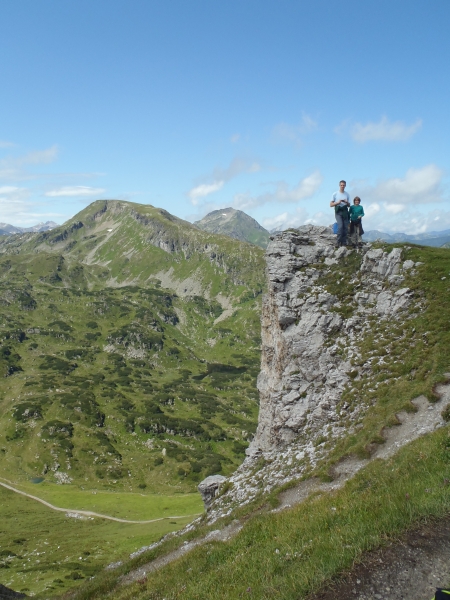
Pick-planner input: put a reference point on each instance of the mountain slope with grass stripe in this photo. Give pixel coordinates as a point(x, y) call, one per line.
point(292, 553)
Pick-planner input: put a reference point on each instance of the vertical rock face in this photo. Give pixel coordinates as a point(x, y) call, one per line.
point(321, 305)
point(304, 321)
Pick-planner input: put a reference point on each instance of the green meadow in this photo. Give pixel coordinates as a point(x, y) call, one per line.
point(122, 505)
point(44, 551)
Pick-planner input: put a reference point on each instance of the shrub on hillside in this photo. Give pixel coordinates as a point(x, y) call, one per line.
point(57, 364)
point(25, 411)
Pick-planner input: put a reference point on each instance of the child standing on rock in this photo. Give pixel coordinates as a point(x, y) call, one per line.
point(356, 213)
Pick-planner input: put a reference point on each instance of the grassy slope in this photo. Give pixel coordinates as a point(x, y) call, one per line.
point(134, 242)
point(290, 554)
point(133, 506)
point(169, 377)
point(130, 388)
point(115, 402)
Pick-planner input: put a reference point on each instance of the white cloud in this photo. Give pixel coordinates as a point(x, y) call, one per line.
point(74, 190)
point(372, 209)
point(294, 133)
point(384, 130)
point(279, 222)
point(411, 220)
point(5, 144)
point(299, 217)
point(235, 138)
point(8, 189)
point(404, 204)
point(418, 186)
point(305, 188)
point(14, 203)
point(394, 209)
point(203, 190)
point(219, 177)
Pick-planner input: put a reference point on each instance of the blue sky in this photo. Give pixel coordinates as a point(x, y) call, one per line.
point(198, 105)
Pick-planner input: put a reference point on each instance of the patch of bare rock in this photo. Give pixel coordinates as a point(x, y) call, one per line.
point(412, 425)
point(218, 535)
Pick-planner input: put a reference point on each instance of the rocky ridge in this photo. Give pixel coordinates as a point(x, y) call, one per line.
point(311, 331)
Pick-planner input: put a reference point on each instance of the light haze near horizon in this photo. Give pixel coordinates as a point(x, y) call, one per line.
point(259, 105)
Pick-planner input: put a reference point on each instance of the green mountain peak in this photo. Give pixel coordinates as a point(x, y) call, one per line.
point(236, 224)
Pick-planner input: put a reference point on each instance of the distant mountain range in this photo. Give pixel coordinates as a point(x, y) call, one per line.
point(431, 238)
point(235, 224)
point(240, 226)
point(436, 239)
point(6, 229)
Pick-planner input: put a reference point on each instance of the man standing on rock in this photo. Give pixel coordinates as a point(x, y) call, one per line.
point(341, 202)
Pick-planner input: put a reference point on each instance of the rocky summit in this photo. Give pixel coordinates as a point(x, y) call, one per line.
point(303, 325)
point(315, 388)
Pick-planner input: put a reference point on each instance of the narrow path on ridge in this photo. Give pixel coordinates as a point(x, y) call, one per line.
point(88, 513)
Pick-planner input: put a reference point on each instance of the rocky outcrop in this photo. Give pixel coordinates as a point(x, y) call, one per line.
point(320, 304)
point(209, 488)
point(303, 325)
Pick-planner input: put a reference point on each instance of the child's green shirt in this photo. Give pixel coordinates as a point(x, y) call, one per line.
point(356, 212)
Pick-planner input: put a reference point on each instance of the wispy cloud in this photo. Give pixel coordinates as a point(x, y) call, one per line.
point(286, 132)
point(14, 203)
point(14, 167)
point(204, 189)
point(5, 144)
point(8, 189)
point(283, 193)
point(235, 138)
point(38, 157)
point(74, 191)
point(408, 219)
point(220, 176)
point(384, 130)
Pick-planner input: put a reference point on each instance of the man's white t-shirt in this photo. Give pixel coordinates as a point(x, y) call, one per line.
point(341, 196)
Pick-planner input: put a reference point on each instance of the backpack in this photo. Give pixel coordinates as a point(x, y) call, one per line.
point(442, 594)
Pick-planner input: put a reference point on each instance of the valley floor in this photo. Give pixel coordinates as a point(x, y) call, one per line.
point(44, 551)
